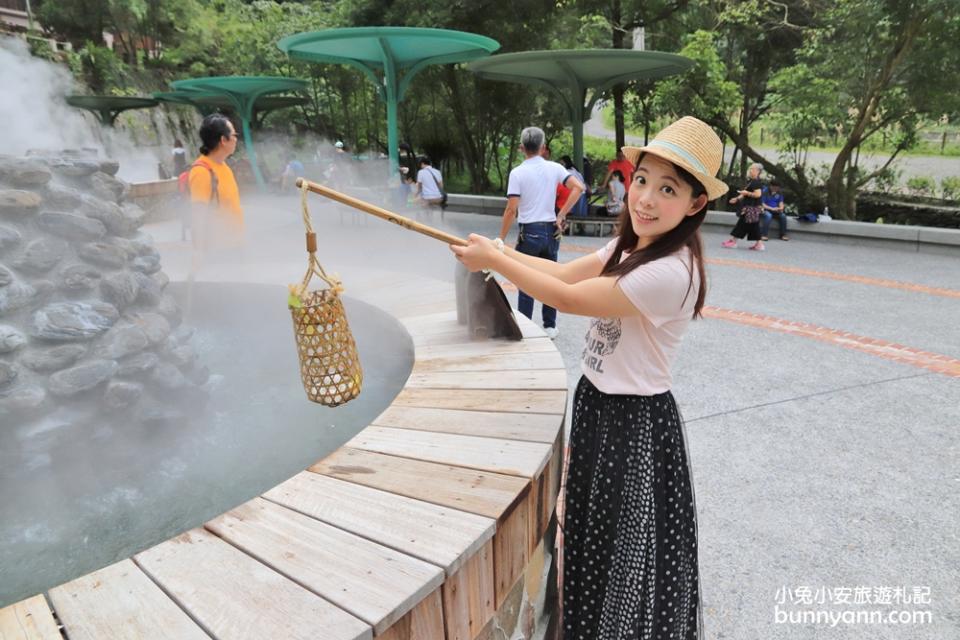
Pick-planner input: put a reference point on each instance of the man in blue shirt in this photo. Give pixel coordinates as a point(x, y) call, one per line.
point(291, 172)
point(773, 206)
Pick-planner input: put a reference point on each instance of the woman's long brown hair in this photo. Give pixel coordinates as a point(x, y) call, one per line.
point(685, 234)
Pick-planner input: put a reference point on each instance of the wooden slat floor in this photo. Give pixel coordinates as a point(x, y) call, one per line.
point(416, 529)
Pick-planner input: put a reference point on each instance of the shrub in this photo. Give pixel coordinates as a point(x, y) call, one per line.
point(921, 185)
point(888, 180)
point(950, 188)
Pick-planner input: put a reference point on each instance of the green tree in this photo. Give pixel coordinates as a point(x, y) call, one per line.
point(850, 80)
point(881, 78)
point(622, 17)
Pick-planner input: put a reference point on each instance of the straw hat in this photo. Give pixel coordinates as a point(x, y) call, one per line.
point(691, 144)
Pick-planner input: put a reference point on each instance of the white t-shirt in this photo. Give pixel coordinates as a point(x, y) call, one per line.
point(535, 181)
point(633, 355)
point(430, 180)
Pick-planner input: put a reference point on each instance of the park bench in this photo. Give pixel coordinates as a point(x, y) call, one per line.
point(599, 225)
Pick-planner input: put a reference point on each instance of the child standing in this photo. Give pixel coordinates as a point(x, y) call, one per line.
point(630, 532)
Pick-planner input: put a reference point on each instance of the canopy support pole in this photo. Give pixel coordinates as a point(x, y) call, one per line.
point(391, 81)
point(252, 153)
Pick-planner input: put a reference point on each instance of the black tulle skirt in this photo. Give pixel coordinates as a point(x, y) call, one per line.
point(630, 529)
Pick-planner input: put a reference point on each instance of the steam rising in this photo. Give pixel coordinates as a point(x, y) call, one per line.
point(32, 107)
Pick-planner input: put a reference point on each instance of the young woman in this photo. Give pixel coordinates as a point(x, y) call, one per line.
point(630, 532)
point(616, 192)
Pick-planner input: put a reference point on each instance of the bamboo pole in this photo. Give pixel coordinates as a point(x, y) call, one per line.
point(382, 213)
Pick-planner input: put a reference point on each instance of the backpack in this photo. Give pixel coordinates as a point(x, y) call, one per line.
point(183, 181)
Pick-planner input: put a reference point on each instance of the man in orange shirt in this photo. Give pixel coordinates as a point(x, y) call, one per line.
point(213, 189)
point(624, 166)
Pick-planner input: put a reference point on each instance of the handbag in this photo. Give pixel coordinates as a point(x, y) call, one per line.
point(443, 194)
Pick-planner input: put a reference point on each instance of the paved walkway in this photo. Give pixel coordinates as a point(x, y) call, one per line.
point(821, 398)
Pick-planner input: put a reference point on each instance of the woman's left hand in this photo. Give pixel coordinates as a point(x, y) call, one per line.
point(478, 254)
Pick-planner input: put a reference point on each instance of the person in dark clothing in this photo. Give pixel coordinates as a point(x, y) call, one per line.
point(773, 208)
point(749, 201)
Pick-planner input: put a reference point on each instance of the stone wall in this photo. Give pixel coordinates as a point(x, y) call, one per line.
point(85, 321)
point(919, 211)
point(529, 611)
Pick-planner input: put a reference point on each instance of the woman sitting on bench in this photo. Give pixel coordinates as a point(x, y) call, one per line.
point(616, 192)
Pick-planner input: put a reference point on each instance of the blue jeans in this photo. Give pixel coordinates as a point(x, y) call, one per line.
point(765, 219)
point(537, 239)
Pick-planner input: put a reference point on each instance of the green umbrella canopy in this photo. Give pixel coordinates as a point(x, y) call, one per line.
point(107, 108)
point(211, 102)
point(242, 93)
point(395, 54)
point(569, 74)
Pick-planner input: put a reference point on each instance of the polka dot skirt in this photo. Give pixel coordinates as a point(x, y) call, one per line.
point(630, 529)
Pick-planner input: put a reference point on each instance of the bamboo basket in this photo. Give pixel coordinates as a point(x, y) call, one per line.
point(329, 363)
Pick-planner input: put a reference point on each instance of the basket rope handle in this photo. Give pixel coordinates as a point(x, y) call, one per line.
point(314, 268)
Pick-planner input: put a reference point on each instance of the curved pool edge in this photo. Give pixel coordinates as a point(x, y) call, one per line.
point(433, 522)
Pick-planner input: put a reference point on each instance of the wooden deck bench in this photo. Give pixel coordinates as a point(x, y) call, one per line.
point(429, 524)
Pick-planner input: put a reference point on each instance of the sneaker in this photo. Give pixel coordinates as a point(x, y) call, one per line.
point(552, 332)
point(729, 244)
point(785, 238)
point(764, 238)
point(758, 247)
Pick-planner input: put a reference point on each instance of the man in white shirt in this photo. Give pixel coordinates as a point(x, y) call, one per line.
point(429, 183)
point(531, 193)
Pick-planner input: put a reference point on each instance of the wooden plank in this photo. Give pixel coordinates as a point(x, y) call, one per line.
point(439, 535)
point(413, 303)
point(510, 548)
point(370, 581)
point(120, 601)
point(483, 493)
point(546, 487)
point(468, 597)
point(527, 328)
point(497, 362)
point(518, 400)
point(511, 457)
point(536, 379)
point(28, 619)
point(429, 319)
point(444, 322)
point(478, 348)
point(440, 339)
point(425, 622)
point(534, 427)
point(234, 596)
